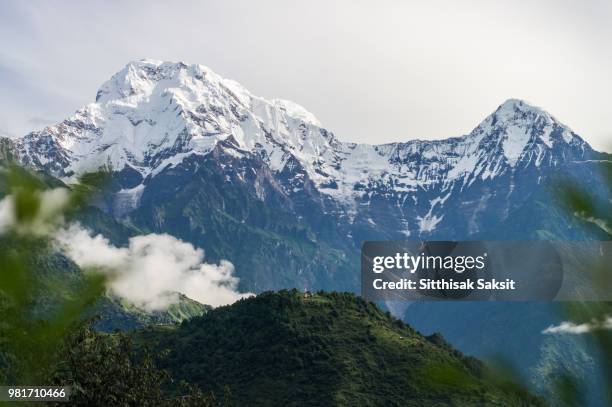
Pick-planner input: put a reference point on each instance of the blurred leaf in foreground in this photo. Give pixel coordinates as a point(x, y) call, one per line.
point(595, 211)
point(30, 213)
point(54, 344)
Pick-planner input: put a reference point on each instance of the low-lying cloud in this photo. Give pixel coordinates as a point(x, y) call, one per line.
point(573, 328)
point(153, 269)
point(150, 272)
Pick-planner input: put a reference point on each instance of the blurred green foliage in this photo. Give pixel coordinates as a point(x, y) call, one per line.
point(595, 211)
point(29, 343)
point(45, 334)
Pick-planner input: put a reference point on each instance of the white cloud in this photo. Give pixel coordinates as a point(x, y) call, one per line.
point(573, 328)
point(150, 272)
point(7, 214)
point(153, 269)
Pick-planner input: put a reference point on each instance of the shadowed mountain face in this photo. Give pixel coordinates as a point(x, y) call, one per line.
point(263, 184)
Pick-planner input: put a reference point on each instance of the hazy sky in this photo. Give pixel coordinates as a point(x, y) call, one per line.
point(374, 71)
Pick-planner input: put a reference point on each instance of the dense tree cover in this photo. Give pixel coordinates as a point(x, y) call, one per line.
point(290, 348)
point(106, 370)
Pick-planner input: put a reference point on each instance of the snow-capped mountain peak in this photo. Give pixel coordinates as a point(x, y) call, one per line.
point(140, 80)
point(152, 115)
point(517, 125)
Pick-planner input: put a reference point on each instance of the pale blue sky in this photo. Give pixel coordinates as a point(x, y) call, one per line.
point(370, 71)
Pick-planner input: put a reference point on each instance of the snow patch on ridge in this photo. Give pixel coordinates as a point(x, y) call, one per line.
point(514, 143)
point(429, 222)
point(127, 200)
point(296, 111)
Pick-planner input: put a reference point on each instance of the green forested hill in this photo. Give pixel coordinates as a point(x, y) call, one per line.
point(116, 313)
point(290, 348)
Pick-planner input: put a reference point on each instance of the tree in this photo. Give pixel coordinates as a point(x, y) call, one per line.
point(106, 370)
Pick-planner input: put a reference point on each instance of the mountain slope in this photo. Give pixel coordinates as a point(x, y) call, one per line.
point(118, 314)
point(290, 348)
point(200, 157)
point(513, 331)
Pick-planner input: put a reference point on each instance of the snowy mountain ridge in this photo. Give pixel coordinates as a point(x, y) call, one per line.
point(151, 115)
